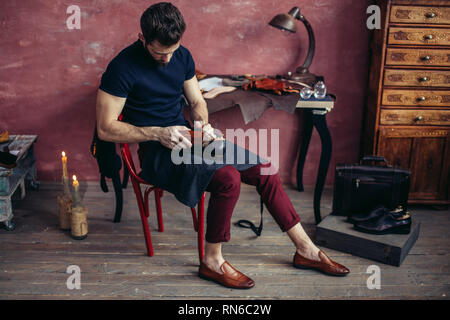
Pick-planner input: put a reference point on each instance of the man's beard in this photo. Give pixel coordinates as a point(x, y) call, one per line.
point(162, 64)
point(158, 62)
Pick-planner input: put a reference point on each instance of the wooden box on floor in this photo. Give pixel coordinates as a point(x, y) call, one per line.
point(335, 233)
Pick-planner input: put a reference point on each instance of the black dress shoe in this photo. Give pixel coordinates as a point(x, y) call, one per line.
point(393, 222)
point(375, 213)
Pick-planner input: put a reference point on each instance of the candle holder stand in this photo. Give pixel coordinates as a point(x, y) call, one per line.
point(78, 219)
point(79, 227)
point(65, 203)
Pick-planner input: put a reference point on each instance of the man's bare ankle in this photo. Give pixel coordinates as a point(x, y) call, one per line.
point(310, 252)
point(214, 263)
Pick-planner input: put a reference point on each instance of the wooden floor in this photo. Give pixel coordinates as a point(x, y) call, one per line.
point(34, 257)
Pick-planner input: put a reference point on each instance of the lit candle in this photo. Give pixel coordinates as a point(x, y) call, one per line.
point(76, 194)
point(64, 164)
point(65, 177)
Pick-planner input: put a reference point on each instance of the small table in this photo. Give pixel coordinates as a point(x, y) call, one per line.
point(254, 103)
point(11, 179)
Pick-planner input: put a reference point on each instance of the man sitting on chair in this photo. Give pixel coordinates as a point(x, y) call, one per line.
point(145, 82)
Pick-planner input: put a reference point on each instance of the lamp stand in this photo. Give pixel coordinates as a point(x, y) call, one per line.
point(302, 73)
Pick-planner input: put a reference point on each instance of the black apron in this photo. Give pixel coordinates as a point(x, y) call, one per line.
point(188, 181)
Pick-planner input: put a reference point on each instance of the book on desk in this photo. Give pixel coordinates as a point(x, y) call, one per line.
point(313, 103)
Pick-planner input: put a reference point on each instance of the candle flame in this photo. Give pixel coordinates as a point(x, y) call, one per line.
point(63, 154)
point(74, 177)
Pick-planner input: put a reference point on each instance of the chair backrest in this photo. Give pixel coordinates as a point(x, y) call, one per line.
point(128, 159)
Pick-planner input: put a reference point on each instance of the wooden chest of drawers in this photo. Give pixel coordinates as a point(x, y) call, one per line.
point(407, 119)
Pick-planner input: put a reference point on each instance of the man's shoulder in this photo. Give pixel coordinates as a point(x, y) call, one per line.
point(184, 55)
point(127, 56)
point(184, 51)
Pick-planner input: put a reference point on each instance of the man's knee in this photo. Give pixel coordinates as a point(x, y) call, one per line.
point(228, 179)
point(268, 176)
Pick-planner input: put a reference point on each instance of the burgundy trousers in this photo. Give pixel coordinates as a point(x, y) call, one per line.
point(225, 188)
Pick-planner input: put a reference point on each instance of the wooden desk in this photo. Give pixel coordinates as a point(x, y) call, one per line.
point(11, 179)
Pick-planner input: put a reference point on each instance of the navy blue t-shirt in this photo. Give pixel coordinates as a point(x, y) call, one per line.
point(153, 92)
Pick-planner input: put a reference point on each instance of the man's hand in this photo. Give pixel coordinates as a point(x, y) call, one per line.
point(208, 131)
point(175, 137)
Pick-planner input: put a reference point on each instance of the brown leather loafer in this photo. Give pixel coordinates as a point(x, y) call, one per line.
point(325, 265)
point(230, 278)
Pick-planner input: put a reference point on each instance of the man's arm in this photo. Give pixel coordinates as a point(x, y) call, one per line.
point(199, 110)
point(109, 128)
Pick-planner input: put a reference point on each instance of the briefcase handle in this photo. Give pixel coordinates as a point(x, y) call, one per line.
point(375, 159)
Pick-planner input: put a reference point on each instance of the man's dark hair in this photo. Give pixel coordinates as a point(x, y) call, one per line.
point(163, 22)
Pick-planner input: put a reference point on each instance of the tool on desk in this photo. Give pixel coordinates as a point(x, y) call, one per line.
point(235, 80)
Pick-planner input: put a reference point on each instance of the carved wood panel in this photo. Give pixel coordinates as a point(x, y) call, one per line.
point(399, 97)
point(419, 36)
point(415, 117)
point(418, 57)
point(417, 78)
point(415, 14)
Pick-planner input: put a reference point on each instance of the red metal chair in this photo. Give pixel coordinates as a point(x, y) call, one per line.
point(144, 208)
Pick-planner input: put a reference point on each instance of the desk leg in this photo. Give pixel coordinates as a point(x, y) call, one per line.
point(6, 214)
point(320, 122)
point(307, 132)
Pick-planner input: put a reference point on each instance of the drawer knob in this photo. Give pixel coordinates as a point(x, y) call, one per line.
point(418, 118)
point(425, 58)
point(428, 37)
point(422, 98)
point(430, 15)
point(423, 79)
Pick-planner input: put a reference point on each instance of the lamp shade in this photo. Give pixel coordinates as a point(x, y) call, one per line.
point(286, 21)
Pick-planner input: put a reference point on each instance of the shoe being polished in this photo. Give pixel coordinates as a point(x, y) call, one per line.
point(230, 278)
point(393, 222)
point(325, 265)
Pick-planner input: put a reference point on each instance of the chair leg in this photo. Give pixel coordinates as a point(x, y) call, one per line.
point(147, 208)
point(140, 201)
point(194, 219)
point(158, 195)
point(201, 225)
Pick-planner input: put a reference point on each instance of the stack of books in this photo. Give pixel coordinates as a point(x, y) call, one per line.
point(313, 103)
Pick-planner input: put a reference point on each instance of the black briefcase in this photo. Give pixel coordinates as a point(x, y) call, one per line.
point(362, 186)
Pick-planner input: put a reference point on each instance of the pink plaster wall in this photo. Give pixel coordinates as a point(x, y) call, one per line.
point(49, 75)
